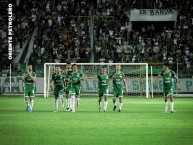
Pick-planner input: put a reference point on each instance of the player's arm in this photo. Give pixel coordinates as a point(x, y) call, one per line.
point(50, 83)
point(83, 77)
point(24, 77)
point(125, 83)
point(177, 83)
point(109, 81)
point(65, 83)
point(90, 77)
point(110, 78)
point(156, 79)
point(63, 71)
point(33, 78)
point(176, 78)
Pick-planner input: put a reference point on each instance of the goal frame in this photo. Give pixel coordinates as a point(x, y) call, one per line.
point(107, 64)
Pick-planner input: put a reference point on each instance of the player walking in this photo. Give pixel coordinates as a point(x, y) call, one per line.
point(29, 78)
point(58, 79)
point(168, 84)
point(118, 82)
point(70, 91)
point(77, 75)
point(103, 87)
point(67, 83)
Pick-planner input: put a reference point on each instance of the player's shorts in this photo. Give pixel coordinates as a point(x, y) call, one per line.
point(117, 93)
point(70, 91)
point(58, 90)
point(168, 91)
point(103, 91)
point(29, 92)
point(77, 90)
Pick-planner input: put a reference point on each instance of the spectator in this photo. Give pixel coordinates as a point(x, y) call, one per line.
point(64, 36)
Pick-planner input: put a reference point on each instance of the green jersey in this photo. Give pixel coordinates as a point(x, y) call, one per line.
point(76, 78)
point(69, 83)
point(68, 79)
point(168, 81)
point(29, 84)
point(103, 80)
point(58, 79)
point(117, 80)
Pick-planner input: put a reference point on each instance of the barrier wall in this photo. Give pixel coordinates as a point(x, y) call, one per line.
point(90, 85)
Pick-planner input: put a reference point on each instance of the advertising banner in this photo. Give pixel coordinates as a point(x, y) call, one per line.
point(153, 15)
point(90, 85)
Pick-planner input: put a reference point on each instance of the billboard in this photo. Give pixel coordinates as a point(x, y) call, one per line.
point(153, 15)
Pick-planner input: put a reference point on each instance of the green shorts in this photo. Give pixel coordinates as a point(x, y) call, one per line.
point(70, 91)
point(77, 90)
point(103, 91)
point(117, 93)
point(58, 90)
point(29, 92)
point(168, 92)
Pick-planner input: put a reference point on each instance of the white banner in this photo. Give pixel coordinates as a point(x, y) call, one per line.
point(153, 15)
point(90, 85)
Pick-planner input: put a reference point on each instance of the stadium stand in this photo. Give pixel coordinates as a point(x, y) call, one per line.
point(64, 33)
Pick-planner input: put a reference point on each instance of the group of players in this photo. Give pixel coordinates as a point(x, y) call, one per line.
point(68, 82)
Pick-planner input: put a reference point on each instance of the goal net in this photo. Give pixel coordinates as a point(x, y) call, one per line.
point(136, 78)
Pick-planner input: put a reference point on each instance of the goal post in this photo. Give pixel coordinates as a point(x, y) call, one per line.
point(136, 77)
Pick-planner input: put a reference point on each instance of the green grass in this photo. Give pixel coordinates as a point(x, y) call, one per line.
point(141, 122)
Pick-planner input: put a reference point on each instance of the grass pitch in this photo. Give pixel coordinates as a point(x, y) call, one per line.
point(141, 122)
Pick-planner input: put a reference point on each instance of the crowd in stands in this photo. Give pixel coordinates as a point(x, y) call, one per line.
point(64, 31)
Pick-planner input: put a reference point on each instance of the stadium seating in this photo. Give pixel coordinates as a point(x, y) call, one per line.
point(64, 32)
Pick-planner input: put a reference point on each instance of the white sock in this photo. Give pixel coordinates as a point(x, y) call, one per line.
point(105, 105)
point(77, 99)
point(100, 104)
point(72, 102)
point(172, 106)
point(62, 101)
point(120, 105)
point(166, 106)
point(67, 103)
point(31, 104)
point(26, 102)
point(56, 104)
